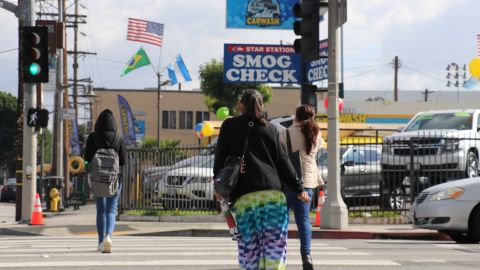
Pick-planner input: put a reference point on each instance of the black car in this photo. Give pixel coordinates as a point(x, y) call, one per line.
point(9, 190)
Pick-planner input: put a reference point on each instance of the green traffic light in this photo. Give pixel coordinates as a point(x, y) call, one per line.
point(34, 69)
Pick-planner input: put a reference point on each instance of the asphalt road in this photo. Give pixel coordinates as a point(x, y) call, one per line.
point(200, 253)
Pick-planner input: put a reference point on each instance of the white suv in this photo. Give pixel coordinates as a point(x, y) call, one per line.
point(435, 147)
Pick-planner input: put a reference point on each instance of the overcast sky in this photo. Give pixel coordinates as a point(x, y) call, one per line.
point(426, 35)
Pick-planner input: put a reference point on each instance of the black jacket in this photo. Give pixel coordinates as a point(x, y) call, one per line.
point(105, 136)
point(267, 164)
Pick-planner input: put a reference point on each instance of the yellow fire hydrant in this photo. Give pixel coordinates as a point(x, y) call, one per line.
point(54, 199)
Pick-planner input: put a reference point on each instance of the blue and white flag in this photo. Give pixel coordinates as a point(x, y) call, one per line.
point(471, 83)
point(177, 70)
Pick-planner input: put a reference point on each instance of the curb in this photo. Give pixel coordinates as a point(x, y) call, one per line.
point(221, 218)
point(17, 232)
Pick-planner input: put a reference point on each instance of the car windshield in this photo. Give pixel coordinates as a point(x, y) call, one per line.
point(208, 163)
point(360, 156)
point(425, 121)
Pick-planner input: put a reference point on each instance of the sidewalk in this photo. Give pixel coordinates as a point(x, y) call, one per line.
point(82, 223)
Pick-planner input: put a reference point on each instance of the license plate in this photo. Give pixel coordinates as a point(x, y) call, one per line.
point(171, 192)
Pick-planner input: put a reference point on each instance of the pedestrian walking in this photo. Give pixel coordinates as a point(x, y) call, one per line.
point(303, 137)
point(258, 201)
point(105, 154)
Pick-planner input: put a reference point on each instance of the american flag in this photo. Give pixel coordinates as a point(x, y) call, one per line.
point(145, 31)
point(478, 45)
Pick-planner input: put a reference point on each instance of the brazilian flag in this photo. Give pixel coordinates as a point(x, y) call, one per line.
point(140, 59)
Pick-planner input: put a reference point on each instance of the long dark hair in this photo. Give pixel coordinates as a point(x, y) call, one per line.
point(252, 101)
point(306, 116)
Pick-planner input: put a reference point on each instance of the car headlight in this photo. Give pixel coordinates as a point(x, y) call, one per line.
point(451, 145)
point(447, 194)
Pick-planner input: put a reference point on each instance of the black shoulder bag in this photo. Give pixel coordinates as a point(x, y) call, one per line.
point(227, 178)
point(294, 157)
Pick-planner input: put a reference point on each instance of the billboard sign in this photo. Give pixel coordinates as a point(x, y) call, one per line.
point(252, 63)
point(260, 14)
point(318, 70)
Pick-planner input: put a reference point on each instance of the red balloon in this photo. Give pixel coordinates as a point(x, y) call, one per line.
point(341, 105)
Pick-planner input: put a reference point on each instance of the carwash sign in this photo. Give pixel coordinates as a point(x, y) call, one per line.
point(251, 63)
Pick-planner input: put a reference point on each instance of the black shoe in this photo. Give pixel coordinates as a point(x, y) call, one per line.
point(307, 262)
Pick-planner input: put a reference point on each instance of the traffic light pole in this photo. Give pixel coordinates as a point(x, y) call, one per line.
point(334, 212)
point(29, 166)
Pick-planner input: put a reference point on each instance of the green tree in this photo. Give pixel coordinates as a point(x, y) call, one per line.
point(47, 146)
point(217, 94)
point(8, 125)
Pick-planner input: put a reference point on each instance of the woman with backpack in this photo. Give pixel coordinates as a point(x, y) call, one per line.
point(304, 137)
point(99, 146)
point(258, 199)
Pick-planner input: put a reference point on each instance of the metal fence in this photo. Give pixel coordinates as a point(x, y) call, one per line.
point(177, 178)
point(377, 174)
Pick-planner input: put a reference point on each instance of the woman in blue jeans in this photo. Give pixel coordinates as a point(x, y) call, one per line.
point(105, 137)
point(306, 139)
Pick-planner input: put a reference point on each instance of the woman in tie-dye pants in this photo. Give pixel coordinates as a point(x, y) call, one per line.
point(263, 224)
point(258, 199)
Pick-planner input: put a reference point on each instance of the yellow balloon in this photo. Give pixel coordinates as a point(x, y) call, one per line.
point(207, 130)
point(475, 67)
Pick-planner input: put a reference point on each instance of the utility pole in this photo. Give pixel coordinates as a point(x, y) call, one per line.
point(29, 167)
point(396, 66)
point(334, 212)
point(57, 151)
point(426, 93)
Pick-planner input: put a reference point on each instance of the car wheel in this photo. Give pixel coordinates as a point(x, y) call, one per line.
point(471, 169)
point(395, 199)
point(474, 225)
point(461, 238)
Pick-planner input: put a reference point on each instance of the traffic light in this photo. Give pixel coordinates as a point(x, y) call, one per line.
point(308, 95)
point(35, 54)
point(308, 11)
point(37, 117)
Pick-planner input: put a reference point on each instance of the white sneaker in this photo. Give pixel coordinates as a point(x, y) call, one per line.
point(100, 247)
point(107, 244)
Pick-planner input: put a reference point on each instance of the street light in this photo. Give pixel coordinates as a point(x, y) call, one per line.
point(456, 77)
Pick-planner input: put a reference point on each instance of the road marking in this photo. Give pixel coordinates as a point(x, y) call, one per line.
point(183, 263)
point(159, 254)
point(449, 246)
point(429, 261)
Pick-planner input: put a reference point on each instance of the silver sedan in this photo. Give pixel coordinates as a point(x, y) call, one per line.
point(452, 208)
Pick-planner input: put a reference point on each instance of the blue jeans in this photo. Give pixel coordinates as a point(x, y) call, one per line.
point(106, 208)
point(301, 212)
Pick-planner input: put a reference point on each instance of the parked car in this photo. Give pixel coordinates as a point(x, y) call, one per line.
point(452, 208)
point(282, 122)
point(360, 173)
point(188, 187)
point(435, 147)
point(8, 191)
point(152, 176)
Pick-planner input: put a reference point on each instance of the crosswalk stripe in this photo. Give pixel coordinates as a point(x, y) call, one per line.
point(195, 253)
point(160, 252)
point(184, 263)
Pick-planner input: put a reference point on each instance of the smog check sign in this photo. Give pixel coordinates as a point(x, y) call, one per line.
point(246, 63)
point(253, 63)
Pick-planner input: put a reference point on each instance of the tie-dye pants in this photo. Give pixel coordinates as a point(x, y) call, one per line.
point(263, 225)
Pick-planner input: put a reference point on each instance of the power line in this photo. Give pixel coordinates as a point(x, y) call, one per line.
point(424, 74)
point(10, 50)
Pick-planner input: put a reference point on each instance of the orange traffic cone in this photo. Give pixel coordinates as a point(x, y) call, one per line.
point(37, 215)
point(321, 200)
